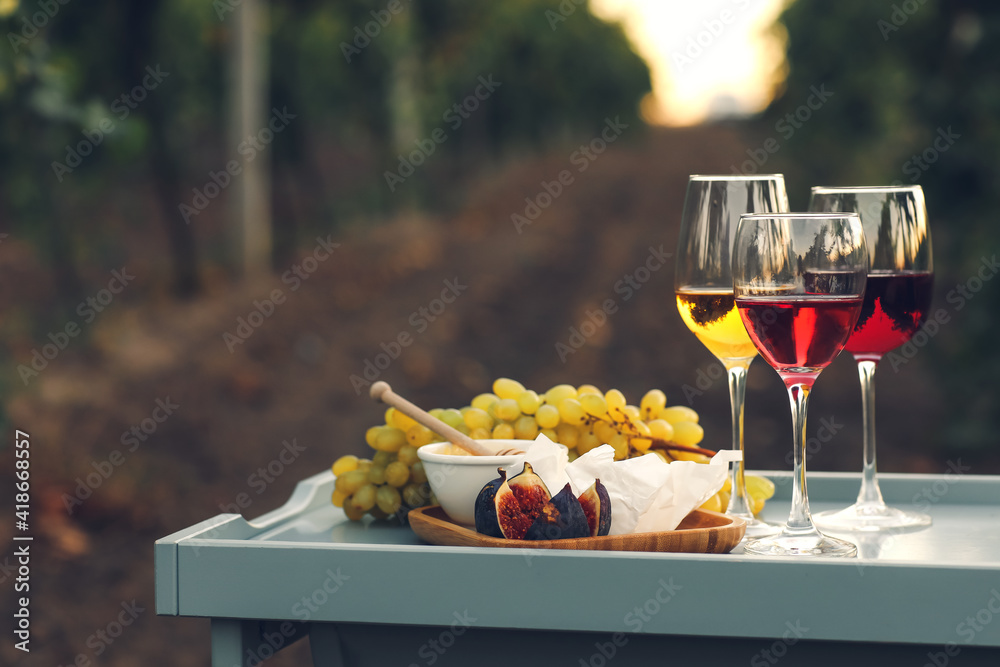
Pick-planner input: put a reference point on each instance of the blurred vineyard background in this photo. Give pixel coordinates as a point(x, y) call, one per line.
point(871, 93)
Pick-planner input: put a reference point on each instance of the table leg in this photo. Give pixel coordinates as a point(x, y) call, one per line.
point(237, 642)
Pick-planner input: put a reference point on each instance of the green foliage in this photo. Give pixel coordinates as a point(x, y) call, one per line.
point(905, 75)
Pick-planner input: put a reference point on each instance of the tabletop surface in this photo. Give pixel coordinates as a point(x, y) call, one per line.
point(305, 561)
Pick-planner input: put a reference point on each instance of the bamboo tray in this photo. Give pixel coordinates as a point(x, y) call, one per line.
point(700, 532)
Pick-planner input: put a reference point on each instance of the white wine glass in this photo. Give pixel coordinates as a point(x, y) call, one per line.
point(704, 290)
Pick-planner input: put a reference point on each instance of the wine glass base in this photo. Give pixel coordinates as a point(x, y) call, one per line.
point(810, 544)
point(871, 517)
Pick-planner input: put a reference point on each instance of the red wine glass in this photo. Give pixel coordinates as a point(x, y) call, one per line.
point(897, 299)
point(799, 282)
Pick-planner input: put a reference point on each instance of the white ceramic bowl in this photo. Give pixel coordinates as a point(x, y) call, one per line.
point(456, 480)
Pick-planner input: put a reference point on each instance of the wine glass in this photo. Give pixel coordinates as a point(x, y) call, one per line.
point(897, 299)
point(799, 282)
point(704, 289)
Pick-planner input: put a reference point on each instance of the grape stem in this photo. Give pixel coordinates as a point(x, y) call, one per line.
point(658, 443)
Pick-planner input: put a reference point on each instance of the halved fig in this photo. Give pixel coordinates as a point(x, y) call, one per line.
point(486, 511)
point(561, 518)
point(597, 506)
point(518, 501)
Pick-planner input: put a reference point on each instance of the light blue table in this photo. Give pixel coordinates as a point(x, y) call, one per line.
point(372, 594)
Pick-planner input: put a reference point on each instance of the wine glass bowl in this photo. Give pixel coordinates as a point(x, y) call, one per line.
point(799, 281)
point(897, 300)
point(704, 291)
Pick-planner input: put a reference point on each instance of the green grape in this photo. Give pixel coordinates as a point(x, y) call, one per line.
point(620, 444)
point(397, 419)
point(452, 418)
point(364, 465)
point(389, 440)
point(476, 418)
point(652, 402)
point(528, 401)
point(436, 412)
point(407, 455)
point(363, 499)
point(376, 512)
point(417, 473)
point(351, 481)
point(688, 433)
point(759, 487)
point(547, 416)
point(377, 474)
point(571, 412)
point(480, 434)
point(420, 435)
point(371, 434)
point(586, 442)
point(678, 413)
point(338, 498)
point(507, 388)
point(642, 429)
point(661, 429)
point(560, 392)
point(503, 432)
point(507, 409)
point(352, 512)
point(632, 412)
point(567, 435)
point(585, 389)
point(551, 434)
point(416, 495)
point(594, 405)
point(484, 401)
point(614, 399)
point(397, 473)
point(345, 463)
point(383, 458)
point(525, 428)
point(388, 499)
point(604, 431)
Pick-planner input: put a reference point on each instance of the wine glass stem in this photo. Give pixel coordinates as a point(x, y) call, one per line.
point(737, 373)
point(799, 519)
point(870, 493)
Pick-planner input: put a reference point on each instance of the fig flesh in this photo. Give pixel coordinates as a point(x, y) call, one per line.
point(518, 501)
point(597, 506)
point(561, 518)
point(486, 514)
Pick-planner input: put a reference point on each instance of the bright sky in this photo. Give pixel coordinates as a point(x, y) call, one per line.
point(709, 58)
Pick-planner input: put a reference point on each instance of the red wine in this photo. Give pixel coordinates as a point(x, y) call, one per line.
point(896, 305)
point(799, 335)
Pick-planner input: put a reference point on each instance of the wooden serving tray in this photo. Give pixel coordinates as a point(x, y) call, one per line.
point(701, 531)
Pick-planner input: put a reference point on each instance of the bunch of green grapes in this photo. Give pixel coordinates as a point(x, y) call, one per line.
point(581, 418)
